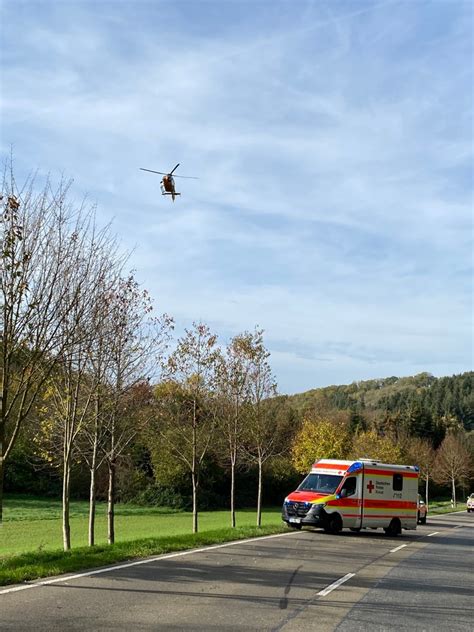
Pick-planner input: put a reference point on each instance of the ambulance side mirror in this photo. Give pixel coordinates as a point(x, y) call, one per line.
point(343, 493)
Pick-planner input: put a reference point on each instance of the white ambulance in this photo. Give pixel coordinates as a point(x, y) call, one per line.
point(355, 494)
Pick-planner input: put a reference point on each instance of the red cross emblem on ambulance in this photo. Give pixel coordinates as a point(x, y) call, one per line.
point(370, 486)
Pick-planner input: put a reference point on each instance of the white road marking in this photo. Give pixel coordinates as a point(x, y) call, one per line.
point(398, 548)
point(168, 556)
point(334, 585)
point(430, 534)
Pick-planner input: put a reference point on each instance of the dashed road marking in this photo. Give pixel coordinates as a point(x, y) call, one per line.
point(430, 534)
point(334, 585)
point(398, 548)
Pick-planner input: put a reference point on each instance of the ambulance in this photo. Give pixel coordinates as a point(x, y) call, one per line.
point(362, 494)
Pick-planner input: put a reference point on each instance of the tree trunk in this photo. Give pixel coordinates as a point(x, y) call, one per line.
point(426, 492)
point(194, 473)
point(195, 506)
point(2, 466)
point(93, 470)
point(232, 494)
point(66, 489)
point(3, 401)
point(259, 498)
point(92, 496)
point(111, 504)
point(454, 492)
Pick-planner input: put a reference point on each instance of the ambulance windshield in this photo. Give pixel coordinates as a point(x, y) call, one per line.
point(324, 483)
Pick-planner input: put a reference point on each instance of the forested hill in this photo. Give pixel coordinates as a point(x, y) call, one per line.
point(447, 398)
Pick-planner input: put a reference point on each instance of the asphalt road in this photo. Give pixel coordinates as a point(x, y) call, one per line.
point(304, 580)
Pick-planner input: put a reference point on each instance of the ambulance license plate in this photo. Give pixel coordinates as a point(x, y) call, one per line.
point(297, 520)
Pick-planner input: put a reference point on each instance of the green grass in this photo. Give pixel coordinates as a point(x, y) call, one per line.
point(444, 506)
point(34, 524)
point(31, 536)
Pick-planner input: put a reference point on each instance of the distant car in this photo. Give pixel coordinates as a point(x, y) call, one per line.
point(423, 510)
point(470, 503)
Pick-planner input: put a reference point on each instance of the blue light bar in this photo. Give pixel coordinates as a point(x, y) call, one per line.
point(355, 467)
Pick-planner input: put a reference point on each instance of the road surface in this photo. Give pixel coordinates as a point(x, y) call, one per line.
point(304, 580)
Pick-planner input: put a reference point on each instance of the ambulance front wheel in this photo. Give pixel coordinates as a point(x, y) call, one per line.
point(394, 528)
point(334, 524)
point(293, 525)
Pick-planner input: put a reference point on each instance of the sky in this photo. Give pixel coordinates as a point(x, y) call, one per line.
point(333, 142)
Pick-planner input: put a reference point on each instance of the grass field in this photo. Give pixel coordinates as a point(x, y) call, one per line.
point(444, 506)
point(34, 524)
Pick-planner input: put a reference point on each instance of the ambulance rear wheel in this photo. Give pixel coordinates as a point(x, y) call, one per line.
point(394, 528)
point(334, 524)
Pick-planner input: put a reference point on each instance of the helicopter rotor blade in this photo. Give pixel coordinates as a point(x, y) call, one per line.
point(162, 173)
point(151, 171)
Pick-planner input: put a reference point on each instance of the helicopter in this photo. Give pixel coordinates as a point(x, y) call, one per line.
point(167, 182)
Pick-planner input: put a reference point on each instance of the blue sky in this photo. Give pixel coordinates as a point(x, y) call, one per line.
point(333, 141)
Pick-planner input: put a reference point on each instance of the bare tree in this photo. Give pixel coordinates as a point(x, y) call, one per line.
point(40, 284)
point(81, 385)
point(93, 435)
point(65, 404)
point(186, 403)
point(70, 387)
point(234, 395)
point(136, 346)
point(263, 431)
point(421, 453)
point(453, 462)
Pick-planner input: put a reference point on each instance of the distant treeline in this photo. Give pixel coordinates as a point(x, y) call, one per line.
point(420, 403)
